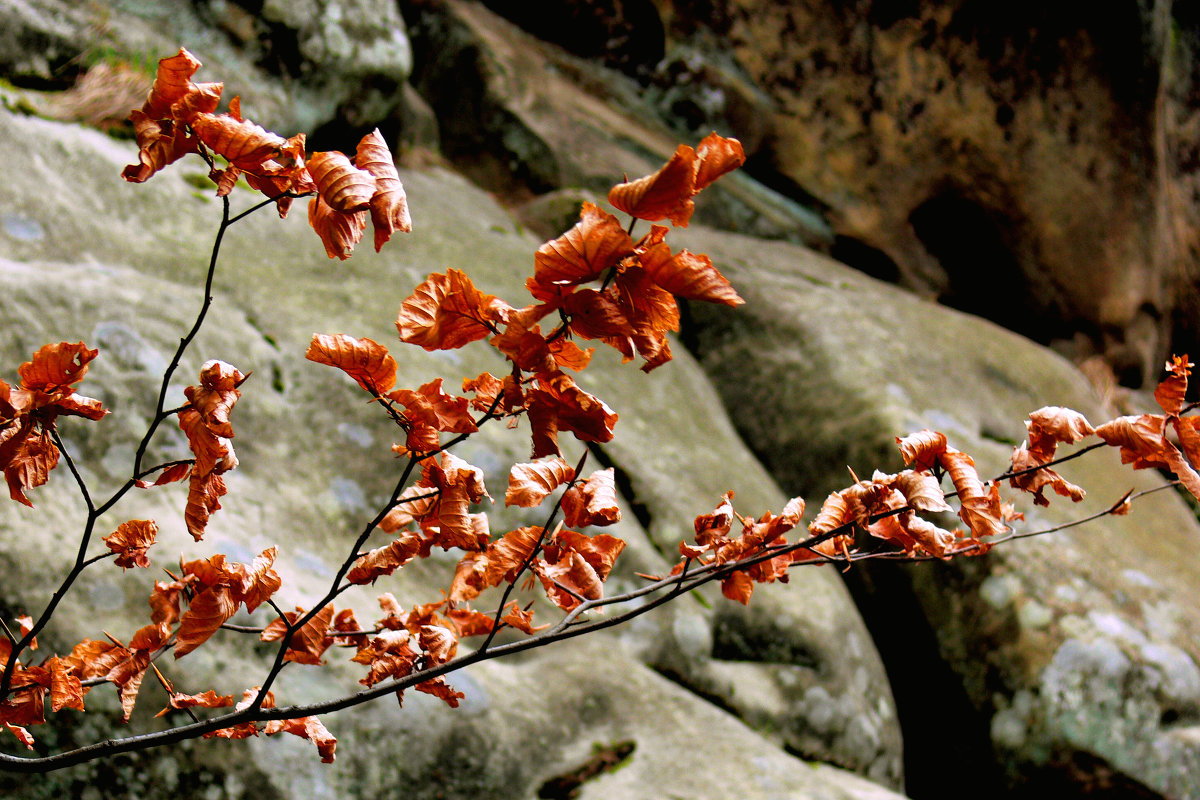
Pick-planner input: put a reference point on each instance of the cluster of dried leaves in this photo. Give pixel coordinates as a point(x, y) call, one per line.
point(179, 118)
point(594, 283)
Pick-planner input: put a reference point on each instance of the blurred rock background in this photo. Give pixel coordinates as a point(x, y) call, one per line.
point(952, 214)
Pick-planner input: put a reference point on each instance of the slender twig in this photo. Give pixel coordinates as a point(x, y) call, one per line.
point(533, 553)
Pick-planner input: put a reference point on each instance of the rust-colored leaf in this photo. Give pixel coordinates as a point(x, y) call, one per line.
point(529, 484)
point(685, 274)
point(342, 186)
point(1140, 439)
point(1172, 391)
point(922, 449)
point(208, 611)
point(389, 203)
point(172, 81)
point(364, 360)
point(130, 541)
point(600, 551)
point(1053, 425)
point(240, 142)
point(596, 243)
point(66, 690)
point(592, 502)
point(385, 560)
point(715, 156)
point(447, 311)
point(665, 193)
point(339, 231)
point(309, 728)
point(431, 406)
point(55, 367)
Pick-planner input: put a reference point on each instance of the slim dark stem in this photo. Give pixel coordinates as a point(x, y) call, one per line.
point(508, 590)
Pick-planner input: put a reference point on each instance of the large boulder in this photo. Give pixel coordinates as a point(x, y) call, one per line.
point(298, 65)
point(1034, 164)
point(1072, 657)
point(88, 257)
point(523, 117)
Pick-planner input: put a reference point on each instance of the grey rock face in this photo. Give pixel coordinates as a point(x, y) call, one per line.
point(117, 265)
point(1076, 648)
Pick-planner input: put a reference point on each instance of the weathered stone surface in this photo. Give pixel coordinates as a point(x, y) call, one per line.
point(116, 265)
point(1032, 164)
point(520, 117)
point(299, 65)
point(1075, 654)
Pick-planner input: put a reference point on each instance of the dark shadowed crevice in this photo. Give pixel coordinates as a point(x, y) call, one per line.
point(946, 740)
point(865, 258)
point(984, 276)
point(641, 511)
point(627, 35)
point(605, 758)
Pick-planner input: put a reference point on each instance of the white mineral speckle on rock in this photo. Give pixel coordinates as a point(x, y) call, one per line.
point(1138, 578)
point(1116, 627)
point(1180, 675)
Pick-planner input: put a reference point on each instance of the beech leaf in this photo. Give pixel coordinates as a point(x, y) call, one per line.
point(364, 360)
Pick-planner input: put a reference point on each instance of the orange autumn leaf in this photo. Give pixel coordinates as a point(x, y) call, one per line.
point(432, 407)
point(738, 586)
point(446, 312)
point(207, 612)
point(521, 619)
point(599, 551)
point(309, 728)
point(922, 449)
point(307, 644)
point(342, 186)
point(835, 512)
point(685, 274)
point(569, 580)
point(215, 396)
point(339, 232)
point(130, 540)
point(54, 367)
point(388, 655)
point(439, 643)
point(160, 143)
point(557, 403)
point(592, 502)
point(934, 540)
point(665, 193)
point(385, 560)
point(66, 689)
point(439, 688)
point(669, 191)
point(389, 203)
point(715, 156)
point(240, 142)
point(208, 699)
point(1041, 477)
point(921, 490)
point(172, 81)
point(529, 484)
point(1053, 425)
point(413, 504)
point(1140, 439)
point(29, 455)
point(1171, 392)
point(596, 243)
point(364, 360)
